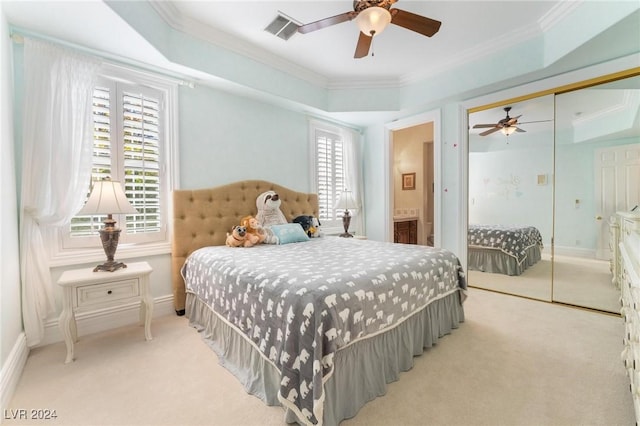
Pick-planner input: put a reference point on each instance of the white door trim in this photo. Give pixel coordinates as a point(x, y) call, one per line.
point(431, 116)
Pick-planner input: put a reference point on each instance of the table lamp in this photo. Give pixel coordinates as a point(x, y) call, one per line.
point(346, 202)
point(107, 197)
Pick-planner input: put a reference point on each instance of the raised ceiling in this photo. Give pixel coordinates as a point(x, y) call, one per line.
point(470, 30)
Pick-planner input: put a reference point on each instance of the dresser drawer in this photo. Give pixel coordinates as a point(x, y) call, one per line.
point(101, 294)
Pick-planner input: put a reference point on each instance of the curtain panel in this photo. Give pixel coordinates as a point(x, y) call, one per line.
point(56, 164)
point(353, 176)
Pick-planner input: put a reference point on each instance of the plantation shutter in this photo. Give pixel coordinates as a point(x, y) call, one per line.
point(330, 174)
point(141, 132)
point(126, 147)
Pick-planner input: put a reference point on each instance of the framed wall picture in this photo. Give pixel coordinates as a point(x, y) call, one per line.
point(408, 181)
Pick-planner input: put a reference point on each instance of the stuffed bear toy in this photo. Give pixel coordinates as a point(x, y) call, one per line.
point(237, 237)
point(255, 232)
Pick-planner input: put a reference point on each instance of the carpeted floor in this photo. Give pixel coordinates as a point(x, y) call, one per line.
point(513, 362)
point(576, 281)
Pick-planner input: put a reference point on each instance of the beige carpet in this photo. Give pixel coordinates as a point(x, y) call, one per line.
point(576, 281)
point(513, 362)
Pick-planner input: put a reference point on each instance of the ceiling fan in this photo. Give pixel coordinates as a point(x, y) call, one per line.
point(372, 17)
point(507, 125)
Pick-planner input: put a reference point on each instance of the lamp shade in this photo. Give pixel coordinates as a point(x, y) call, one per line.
point(107, 197)
point(373, 20)
point(508, 130)
point(346, 201)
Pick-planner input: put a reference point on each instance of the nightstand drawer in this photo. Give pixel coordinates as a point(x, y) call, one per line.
point(101, 294)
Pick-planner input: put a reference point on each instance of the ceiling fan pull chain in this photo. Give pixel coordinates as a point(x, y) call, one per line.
point(373, 53)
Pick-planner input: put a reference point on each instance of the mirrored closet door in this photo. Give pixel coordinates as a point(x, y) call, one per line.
point(546, 175)
point(511, 198)
point(597, 159)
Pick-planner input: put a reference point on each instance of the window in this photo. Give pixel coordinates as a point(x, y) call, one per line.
point(330, 176)
point(336, 168)
point(133, 143)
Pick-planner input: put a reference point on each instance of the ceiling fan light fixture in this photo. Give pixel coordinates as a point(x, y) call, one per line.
point(507, 130)
point(373, 20)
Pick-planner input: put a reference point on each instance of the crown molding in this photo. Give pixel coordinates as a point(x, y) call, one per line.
point(178, 21)
point(630, 101)
point(557, 13)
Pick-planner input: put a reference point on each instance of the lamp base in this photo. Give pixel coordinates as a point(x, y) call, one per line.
point(346, 221)
point(109, 266)
point(109, 235)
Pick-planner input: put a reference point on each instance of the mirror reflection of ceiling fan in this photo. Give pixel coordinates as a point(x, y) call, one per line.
point(507, 125)
point(372, 17)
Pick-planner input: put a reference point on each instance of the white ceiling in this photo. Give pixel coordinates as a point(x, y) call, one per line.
point(401, 55)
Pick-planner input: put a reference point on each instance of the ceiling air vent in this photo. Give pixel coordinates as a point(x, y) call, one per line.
point(282, 27)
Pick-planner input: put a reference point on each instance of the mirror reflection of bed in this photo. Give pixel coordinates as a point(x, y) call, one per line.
point(510, 201)
point(549, 177)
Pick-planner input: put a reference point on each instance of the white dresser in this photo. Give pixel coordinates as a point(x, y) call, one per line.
point(626, 267)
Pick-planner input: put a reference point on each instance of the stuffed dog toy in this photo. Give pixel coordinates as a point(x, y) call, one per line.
point(315, 224)
point(237, 237)
point(307, 224)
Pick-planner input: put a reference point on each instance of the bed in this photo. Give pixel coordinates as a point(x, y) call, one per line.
point(499, 249)
point(303, 324)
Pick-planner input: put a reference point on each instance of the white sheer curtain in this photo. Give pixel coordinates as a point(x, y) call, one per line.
point(56, 164)
point(353, 175)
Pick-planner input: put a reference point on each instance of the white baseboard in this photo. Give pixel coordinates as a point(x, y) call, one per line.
point(575, 252)
point(107, 319)
point(12, 370)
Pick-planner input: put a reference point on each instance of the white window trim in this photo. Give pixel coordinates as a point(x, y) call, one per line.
point(60, 256)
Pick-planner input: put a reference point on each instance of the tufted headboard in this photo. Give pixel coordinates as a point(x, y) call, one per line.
point(202, 217)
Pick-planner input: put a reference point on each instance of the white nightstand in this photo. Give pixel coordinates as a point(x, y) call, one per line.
point(85, 290)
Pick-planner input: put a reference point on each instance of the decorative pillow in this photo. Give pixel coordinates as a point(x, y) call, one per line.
point(289, 233)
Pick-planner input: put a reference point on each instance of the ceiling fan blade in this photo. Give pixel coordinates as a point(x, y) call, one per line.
point(364, 43)
point(413, 22)
point(488, 132)
point(323, 23)
point(518, 129)
point(537, 121)
point(483, 126)
point(512, 120)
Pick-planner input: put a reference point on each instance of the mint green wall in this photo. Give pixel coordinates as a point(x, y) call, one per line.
point(503, 187)
point(226, 138)
point(373, 154)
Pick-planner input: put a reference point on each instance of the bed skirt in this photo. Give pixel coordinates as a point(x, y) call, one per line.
point(497, 262)
point(360, 370)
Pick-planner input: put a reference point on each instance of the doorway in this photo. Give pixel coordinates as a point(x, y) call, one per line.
point(413, 184)
point(423, 159)
point(617, 173)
